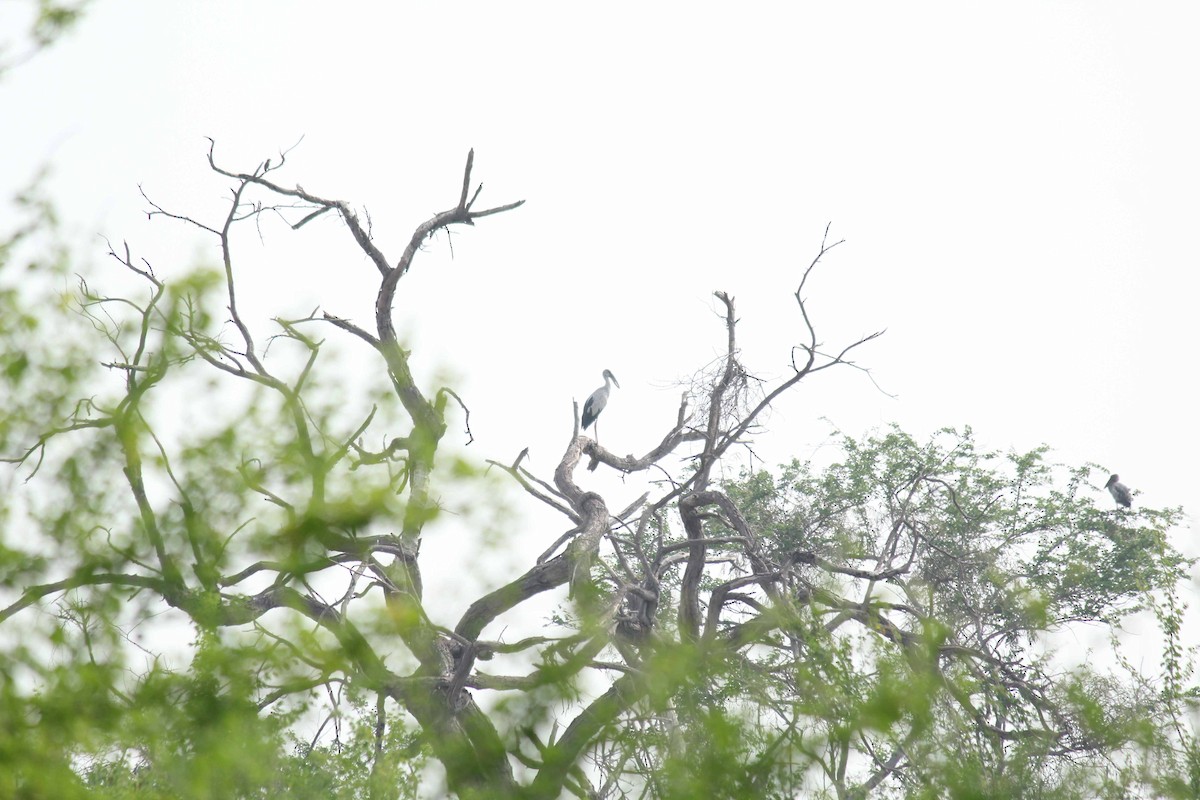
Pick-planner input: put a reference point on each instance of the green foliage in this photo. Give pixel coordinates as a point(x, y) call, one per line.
point(986, 554)
point(998, 527)
point(117, 485)
point(882, 626)
point(48, 21)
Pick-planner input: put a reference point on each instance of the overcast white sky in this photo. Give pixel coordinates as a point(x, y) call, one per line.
point(1016, 183)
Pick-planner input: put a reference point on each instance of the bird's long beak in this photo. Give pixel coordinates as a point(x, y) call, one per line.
point(614, 377)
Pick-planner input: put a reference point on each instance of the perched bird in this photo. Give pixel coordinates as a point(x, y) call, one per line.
point(594, 405)
point(1119, 491)
point(598, 400)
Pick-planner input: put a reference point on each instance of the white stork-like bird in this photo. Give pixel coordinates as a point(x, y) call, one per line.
point(1119, 491)
point(594, 405)
point(598, 400)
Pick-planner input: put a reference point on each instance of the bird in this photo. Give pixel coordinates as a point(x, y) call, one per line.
point(598, 400)
point(1119, 491)
point(593, 406)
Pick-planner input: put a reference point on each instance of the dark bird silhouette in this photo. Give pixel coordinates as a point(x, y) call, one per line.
point(598, 400)
point(1119, 491)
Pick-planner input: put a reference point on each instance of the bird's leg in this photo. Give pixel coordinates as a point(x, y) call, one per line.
point(595, 461)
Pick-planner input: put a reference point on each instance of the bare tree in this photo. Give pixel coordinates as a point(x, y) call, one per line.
point(748, 644)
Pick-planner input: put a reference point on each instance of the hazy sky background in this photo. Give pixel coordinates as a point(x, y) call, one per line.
point(1016, 184)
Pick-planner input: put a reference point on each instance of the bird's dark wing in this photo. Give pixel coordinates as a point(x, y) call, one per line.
point(594, 405)
point(589, 411)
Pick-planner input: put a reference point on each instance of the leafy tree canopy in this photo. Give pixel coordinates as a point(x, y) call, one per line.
point(883, 626)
